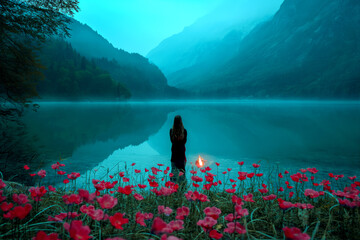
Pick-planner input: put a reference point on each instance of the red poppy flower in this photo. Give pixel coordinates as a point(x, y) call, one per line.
point(133, 164)
point(118, 221)
point(250, 175)
point(295, 234)
point(6, 206)
point(125, 179)
point(215, 234)
point(196, 185)
point(160, 226)
point(256, 165)
point(153, 184)
point(121, 174)
point(61, 172)
point(66, 181)
point(196, 179)
point(270, 197)
point(142, 185)
point(20, 211)
point(26, 167)
point(259, 174)
point(77, 230)
point(146, 170)
point(286, 172)
point(217, 164)
point(232, 190)
point(285, 205)
point(263, 190)
point(241, 163)
point(41, 235)
point(125, 190)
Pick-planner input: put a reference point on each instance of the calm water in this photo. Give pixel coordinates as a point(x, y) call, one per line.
point(88, 136)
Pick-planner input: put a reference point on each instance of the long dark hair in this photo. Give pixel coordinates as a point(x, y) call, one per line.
point(178, 128)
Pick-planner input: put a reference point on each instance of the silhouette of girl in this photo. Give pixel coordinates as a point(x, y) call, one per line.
point(178, 137)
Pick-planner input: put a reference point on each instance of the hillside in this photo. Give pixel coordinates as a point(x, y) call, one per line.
point(308, 49)
point(70, 76)
point(212, 39)
point(143, 79)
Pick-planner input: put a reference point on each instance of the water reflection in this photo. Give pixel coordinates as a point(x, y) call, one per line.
point(289, 135)
point(105, 137)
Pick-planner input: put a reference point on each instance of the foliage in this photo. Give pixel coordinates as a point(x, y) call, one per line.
point(68, 75)
point(22, 22)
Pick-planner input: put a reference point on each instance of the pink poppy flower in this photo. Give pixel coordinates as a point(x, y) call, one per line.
point(248, 198)
point(207, 223)
point(41, 173)
point(311, 193)
point(182, 212)
point(107, 201)
point(20, 199)
point(176, 225)
point(162, 210)
point(295, 234)
point(213, 212)
point(231, 227)
point(77, 230)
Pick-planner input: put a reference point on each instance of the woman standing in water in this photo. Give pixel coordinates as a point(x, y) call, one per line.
point(178, 137)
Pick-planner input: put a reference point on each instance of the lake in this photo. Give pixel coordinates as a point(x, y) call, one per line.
point(103, 137)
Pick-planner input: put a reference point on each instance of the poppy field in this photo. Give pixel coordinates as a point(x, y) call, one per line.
point(140, 203)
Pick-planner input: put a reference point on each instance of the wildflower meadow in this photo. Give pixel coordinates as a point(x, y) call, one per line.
point(140, 203)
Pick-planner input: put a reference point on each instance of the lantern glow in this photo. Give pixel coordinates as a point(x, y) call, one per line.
point(199, 162)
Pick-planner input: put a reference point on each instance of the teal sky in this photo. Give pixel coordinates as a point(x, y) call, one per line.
point(140, 25)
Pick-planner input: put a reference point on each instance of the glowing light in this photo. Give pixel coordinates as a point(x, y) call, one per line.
point(199, 162)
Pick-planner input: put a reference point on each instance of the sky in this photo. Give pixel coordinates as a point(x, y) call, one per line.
point(140, 25)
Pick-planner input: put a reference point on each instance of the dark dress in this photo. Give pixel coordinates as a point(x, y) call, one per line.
point(178, 158)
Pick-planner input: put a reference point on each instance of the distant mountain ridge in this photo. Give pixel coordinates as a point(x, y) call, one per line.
point(143, 79)
point(216, 34)
point(308, 49)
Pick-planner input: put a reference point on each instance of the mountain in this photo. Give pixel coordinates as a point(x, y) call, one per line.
point(213, 38)
point(308, 49)
point(70, 76)
point(143, 79)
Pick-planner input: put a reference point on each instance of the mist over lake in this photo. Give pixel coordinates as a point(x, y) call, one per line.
point(292, 134)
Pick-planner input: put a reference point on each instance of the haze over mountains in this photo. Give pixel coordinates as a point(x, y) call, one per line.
point(86, 66)
point(309, 48)
point(216, 34)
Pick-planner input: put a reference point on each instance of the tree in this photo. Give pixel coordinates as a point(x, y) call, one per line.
point(23, 23)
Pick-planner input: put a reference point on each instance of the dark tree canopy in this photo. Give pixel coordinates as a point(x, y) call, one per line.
point(23, 23)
